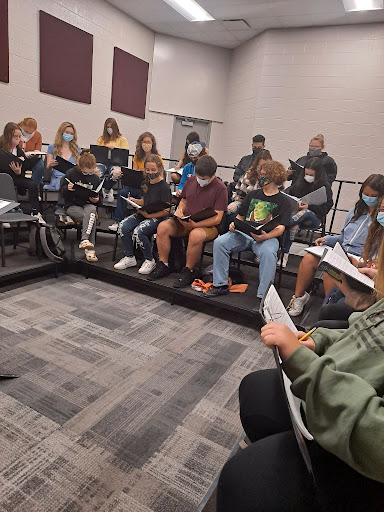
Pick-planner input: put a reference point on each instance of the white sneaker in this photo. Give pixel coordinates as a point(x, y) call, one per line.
point(114, 227)
point(39, 217)
point(296, 304)
point(147, 266)
point(126, 262)
point(6, 225)
point(108, 195)
point(285, 260)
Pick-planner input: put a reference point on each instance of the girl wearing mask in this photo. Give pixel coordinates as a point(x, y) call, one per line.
point(145, 146)
point(66, 147)
point(85, 174)
point(352, 238)
point(185, 159)
point(310, 179)
point(248, 181)
point(111, 139)
point(9, 143)
point(143, 224)
point(316, 147)
point(31, 141)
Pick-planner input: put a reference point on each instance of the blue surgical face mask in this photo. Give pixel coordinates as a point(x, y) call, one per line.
point(67, 137)
point(380, 218)
point(201, 182)
point(369, 201)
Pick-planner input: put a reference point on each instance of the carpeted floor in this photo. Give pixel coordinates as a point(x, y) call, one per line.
point(125, 402)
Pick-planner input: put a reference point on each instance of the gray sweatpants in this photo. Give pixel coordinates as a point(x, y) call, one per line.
point(87, 215)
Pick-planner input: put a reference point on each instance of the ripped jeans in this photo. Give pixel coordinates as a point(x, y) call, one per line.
point(143, 229)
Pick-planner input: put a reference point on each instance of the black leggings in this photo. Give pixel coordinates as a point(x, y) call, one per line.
point(33, 190)
point(270, 475)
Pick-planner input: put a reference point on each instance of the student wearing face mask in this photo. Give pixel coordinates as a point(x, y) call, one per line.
point(143, 224)
point(259, 206)
point(184, 160)
point(145, 146)
point(310, 179)
point(85, 174)
point(195, 150)
point(31, 141)
point(316, 147)
point(9, 143)
point(111, 139)
point(66, 147)
point(352, 239)
point(258, 143)
point(203, 190)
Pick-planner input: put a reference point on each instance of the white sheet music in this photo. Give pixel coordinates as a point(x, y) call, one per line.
point(344, 266)
point(315, 198)
point(131, 202)
point(3, 203)
point(274, 311)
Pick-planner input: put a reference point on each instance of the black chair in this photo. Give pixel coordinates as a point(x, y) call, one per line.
point(8, 191)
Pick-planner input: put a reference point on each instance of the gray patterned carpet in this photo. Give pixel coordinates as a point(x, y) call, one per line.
point(125, 402)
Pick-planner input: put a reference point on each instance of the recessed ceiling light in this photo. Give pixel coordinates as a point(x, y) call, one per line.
point(362, 5)
point(190, 10)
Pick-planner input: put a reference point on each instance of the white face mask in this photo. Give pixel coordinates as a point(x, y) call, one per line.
point(308, 178)
point(201, 182)
point(109, 131)
point(146, 147)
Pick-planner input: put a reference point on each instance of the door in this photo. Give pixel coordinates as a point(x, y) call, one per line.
point(181, 127)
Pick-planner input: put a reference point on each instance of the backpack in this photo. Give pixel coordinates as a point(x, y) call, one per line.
point(50, 241)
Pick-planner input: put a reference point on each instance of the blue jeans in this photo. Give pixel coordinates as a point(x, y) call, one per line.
point(38, 171)
point(231, 242)
point(121, 206)
point(308, 218)
point(143, 229)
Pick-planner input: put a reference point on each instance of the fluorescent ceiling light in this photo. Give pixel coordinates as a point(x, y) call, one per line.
point(190, 10)
point(362, 5)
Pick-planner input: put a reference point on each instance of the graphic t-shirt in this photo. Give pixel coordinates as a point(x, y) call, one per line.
point(259, 208)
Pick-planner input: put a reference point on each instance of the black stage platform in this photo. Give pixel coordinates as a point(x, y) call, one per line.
point(237, 307)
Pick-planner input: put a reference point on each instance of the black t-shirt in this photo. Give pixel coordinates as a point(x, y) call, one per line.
point(260, 208)
point(157, 192)
point(91, 181)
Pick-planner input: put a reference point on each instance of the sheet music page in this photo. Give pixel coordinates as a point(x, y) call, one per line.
point(274, 311)
point(3, 203)
point(340, 252)
point(347, 268)
point(317, 250)
point(131, 202)
point(315, 198)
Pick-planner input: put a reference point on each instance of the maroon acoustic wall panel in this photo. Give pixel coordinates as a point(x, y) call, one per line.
point(129, 84)
point(4, 44)
point(65, 59)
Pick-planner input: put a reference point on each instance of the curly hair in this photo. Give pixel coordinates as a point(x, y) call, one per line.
point(375, 181)
point(253, 171)
point(59, 141)
point(275, 172)
point(374, 237)
point(140, 154)
point(159, 164)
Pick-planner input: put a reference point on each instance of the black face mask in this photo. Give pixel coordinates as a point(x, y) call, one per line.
point(256, 151)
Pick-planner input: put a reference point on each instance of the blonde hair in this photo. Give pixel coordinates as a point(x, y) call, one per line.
point(86, 159)
point(59, 141)
point(30, 122)
point(319, 137)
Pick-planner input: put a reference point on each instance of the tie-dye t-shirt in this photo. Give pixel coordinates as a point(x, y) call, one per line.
point(259, 208)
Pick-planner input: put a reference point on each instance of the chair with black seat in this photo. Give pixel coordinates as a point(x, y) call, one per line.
point(8, 192)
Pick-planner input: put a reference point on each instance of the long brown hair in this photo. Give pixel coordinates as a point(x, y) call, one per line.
point(379, 281)
point(6, 138)
point(115, 130)
point(140, 155)
point(375, 181)
point(253, 172)
point(374, 237)
point(159, 164)
point(59, 141)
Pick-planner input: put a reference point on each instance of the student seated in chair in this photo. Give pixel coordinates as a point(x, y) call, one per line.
point(352, 239)
point(195, 150)
point(305, 216)
point(79, 209)
point(144, 225)
point(203, 190)
point(258, 206)
point(184, 160)
point(31, 141)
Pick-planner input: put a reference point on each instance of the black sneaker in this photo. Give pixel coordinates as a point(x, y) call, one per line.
point(161, 270)
point(217, 290)
point(185, 279)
